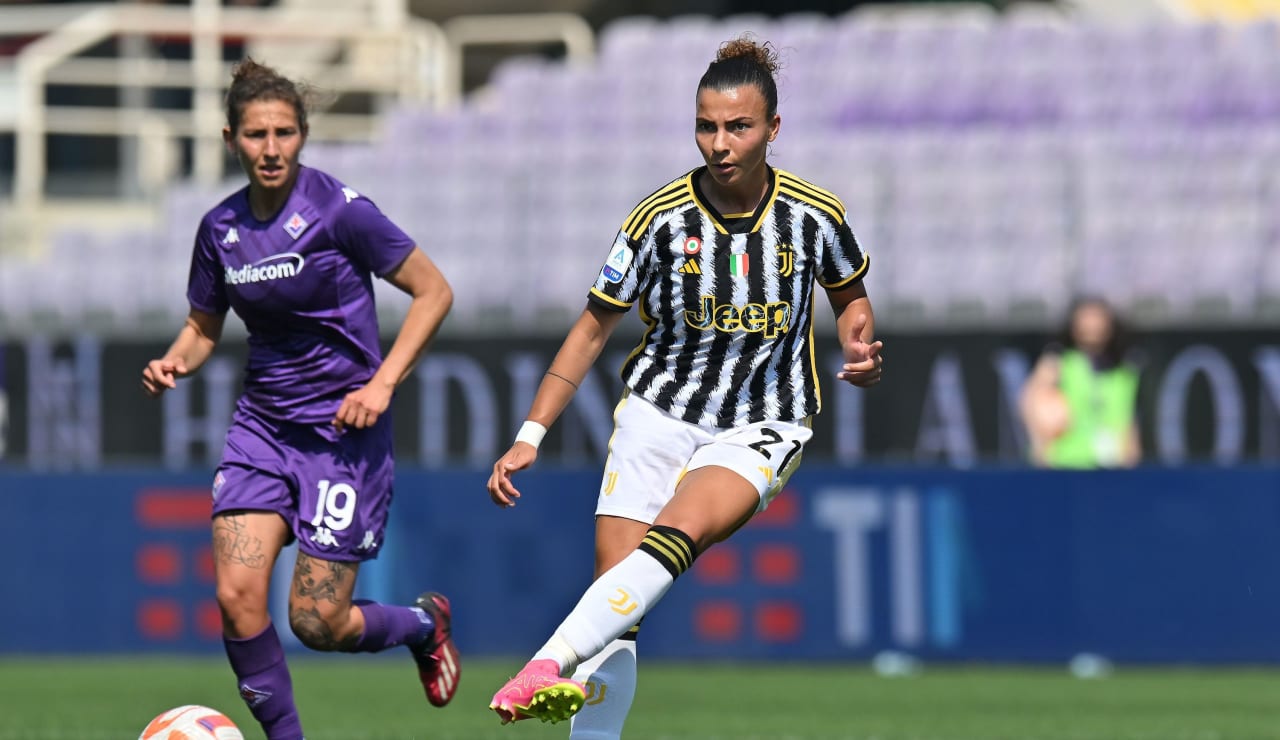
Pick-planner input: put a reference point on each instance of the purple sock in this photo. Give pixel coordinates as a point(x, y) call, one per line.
point(264, 682)
point(388, 626)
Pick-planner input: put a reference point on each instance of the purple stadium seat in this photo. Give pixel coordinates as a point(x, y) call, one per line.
point(1034, 156)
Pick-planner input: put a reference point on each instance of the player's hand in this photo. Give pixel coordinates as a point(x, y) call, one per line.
point(161, 375)
point(361, 408)
point(520, 456)
point(863, 362)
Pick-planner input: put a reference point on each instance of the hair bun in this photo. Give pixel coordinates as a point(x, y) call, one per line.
point(746, 47)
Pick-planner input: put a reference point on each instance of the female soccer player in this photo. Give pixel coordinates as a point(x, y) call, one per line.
point(308, 455)
point(720, 391)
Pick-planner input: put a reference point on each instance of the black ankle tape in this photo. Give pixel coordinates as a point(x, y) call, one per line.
point(670, 547)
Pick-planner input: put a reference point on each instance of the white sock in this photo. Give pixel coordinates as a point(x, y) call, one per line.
point(619, 598)
point(610, 678)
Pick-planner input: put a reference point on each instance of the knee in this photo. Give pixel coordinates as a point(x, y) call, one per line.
point(243, 608)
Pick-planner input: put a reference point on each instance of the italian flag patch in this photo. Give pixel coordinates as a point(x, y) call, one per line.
point(738, 265)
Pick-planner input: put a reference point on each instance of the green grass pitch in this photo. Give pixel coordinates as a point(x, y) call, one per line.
point(368, 698)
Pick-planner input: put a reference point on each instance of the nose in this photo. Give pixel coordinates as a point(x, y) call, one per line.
point(720, 142)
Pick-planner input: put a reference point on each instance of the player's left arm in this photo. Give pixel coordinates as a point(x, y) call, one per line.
point(856, 327)
point(418, 276)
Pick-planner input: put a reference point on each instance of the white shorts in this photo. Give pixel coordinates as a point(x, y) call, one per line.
point(650, 451)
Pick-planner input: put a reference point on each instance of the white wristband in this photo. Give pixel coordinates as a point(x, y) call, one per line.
point(531, 432)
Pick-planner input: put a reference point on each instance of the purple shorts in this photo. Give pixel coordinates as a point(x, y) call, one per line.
point(332, 488)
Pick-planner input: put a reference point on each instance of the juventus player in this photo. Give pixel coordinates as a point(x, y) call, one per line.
point(308, 455)
point(722, 262)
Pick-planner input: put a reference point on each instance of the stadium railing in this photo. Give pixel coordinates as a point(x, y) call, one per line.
point(396, 58)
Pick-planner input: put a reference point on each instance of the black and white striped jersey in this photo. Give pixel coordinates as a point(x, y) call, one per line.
point(728, 298)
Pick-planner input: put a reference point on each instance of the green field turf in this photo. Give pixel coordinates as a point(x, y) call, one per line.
point(362, 698)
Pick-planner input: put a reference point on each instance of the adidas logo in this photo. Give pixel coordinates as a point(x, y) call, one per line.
point(690, 267)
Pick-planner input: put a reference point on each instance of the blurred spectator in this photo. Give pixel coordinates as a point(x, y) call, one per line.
point(1079, 405)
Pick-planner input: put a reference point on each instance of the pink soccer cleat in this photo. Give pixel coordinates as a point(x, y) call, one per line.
point(439, 665)
point(539, 691)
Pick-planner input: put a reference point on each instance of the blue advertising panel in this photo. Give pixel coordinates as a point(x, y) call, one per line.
point(1008, 565)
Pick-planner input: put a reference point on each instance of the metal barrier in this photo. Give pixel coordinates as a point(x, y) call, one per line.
point(389, 54)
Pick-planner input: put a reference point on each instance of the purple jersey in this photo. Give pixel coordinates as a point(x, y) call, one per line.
point(302, 283)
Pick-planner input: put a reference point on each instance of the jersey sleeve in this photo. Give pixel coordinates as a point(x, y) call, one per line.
point(622, 278)
point(367, 236)
point(206, 282)
point(843, 261)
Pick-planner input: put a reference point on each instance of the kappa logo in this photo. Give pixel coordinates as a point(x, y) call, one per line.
point(296, 225)
point(690, 267)
point(786, 260)
point(324, 537)
point(349, 194)
point(232, 237)
point(616, 266)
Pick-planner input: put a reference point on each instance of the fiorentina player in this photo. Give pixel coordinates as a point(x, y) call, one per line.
point(722, 262)
point(308, 456)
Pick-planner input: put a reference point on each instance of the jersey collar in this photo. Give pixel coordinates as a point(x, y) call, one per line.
point(734, 225)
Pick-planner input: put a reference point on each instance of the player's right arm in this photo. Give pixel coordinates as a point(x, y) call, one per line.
point(1044, 411)
point(193, 345)
point(576, 356)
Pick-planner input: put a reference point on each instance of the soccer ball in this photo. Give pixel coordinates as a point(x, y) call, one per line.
point(191, 722)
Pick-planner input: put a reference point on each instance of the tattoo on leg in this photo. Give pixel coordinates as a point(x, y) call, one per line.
point(316, 582)
point(315, 633)
point(320, 580)
point(232, 543)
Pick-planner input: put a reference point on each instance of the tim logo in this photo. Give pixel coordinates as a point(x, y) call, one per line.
point(770, 318)
point(786, 260)
point(616, 266)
